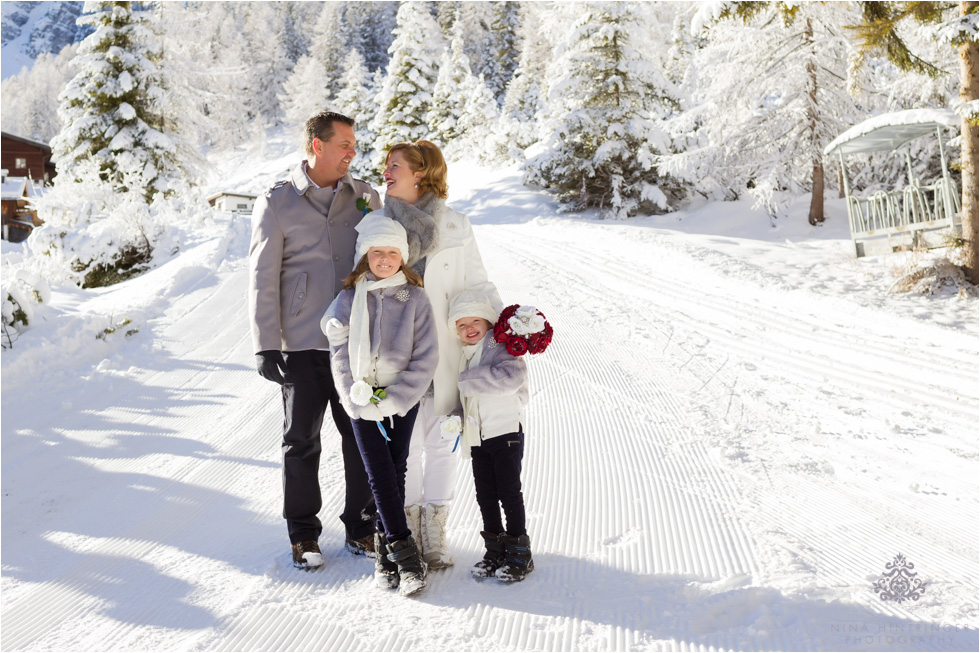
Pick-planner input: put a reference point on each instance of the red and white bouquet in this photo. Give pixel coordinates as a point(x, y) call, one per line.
point(524, 329)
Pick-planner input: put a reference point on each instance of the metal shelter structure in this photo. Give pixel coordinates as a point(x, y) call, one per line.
point(887, 221)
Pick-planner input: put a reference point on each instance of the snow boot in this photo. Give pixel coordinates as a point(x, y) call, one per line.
point(492, 560)
point(413, 515)
point(411, 567)
point(435, 551)
point(306, 555)
point(517, 558)
point(385, 571)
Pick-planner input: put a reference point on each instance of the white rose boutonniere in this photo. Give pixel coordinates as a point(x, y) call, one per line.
point(361, 393)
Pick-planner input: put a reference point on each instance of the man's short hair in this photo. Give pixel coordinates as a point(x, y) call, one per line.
point(322, 126)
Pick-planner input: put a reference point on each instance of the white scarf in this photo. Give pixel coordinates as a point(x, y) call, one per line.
point(359, 340)
point(471, 413)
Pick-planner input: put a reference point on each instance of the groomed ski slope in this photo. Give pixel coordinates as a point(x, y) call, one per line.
point(734, 432)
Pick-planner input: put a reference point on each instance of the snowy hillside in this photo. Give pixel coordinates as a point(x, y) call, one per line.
point(736, 429)
point(32, 28)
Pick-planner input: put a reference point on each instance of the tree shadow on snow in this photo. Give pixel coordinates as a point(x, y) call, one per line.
point(696, 612)
point(73, 526)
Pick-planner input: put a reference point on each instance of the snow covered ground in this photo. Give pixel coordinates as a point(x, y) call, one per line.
point(736, 429)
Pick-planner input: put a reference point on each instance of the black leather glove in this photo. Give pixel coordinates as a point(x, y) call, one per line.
point(270, 363)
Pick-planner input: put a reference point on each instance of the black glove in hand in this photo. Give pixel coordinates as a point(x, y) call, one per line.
point(270, 363)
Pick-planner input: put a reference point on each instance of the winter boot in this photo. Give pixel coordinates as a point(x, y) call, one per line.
point(411, 567)
point(413, 515)
point(493, 559)
point(385, 571)
point(306, 555)
point(517, 558)
point(435, 551)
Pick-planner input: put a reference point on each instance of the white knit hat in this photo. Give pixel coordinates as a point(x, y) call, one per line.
point(375, 230)
point(470, 303)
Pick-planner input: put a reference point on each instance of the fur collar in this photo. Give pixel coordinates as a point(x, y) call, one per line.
point(421, 221)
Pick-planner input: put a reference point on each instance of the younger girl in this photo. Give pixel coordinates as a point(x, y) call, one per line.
point(383, 352)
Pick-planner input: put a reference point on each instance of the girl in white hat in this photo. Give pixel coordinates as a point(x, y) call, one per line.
point(384, 352)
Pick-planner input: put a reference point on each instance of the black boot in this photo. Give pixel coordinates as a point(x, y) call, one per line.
point(517, 558)
point(492, 559)
point(385, 571)
point(411, 567)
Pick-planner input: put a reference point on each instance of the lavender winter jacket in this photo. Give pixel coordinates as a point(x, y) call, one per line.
point(404, 348)
point(499, 384)
point(299, 254)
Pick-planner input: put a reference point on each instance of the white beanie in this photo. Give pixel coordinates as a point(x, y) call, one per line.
point(470, 303)
point(375, 230)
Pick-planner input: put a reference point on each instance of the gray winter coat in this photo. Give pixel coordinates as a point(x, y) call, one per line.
point(499, 385)
point(404, 348)
point(298, 258)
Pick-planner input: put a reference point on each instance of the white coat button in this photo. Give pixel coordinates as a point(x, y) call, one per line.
point(301, 295)
point(447, 266)
point(336, 258)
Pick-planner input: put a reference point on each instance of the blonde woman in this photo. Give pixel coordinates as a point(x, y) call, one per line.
point(443, 251)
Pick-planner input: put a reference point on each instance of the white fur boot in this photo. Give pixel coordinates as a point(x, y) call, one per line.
point(413, 514)
point(435, 551)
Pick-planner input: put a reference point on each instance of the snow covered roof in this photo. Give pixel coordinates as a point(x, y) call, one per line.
point(17, 188)
point(890, 131)
point(14, 188)
point(231, 194)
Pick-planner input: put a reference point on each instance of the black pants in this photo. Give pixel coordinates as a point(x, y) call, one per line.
point(497, 477)
point(308, 389)
point(386, 462)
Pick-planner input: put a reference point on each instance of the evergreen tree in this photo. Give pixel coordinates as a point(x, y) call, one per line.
point(356, 99)
point(304, 94)
point(268, 65)
point(404, 99)
point(111, 108)
point(607, 102)
point(450, 93)
point(502, 52)
point(524, 98)
point(226, 61)
point(29, 95)
point(370, 27)
point(330, 46)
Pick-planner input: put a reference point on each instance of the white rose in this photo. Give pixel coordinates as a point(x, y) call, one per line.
point(526, 311)
point(450, 427)
point(361, 393)
point(517, 326)
point(535, 324)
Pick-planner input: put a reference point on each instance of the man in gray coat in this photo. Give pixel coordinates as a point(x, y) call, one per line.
point(302, 248)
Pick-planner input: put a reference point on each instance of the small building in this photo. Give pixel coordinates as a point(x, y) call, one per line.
point(22, 157)
point(19, 219)
point(240, 203)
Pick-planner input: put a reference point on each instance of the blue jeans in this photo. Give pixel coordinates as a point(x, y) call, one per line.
point(385, 462)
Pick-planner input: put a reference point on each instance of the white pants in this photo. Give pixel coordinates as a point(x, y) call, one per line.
point(431, 474)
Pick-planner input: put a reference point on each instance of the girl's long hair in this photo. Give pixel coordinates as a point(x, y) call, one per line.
point(363, 268)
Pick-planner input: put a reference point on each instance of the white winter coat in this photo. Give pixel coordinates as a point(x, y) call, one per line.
point(445, 239)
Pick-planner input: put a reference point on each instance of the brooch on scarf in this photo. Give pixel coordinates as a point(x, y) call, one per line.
point(402, 295)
